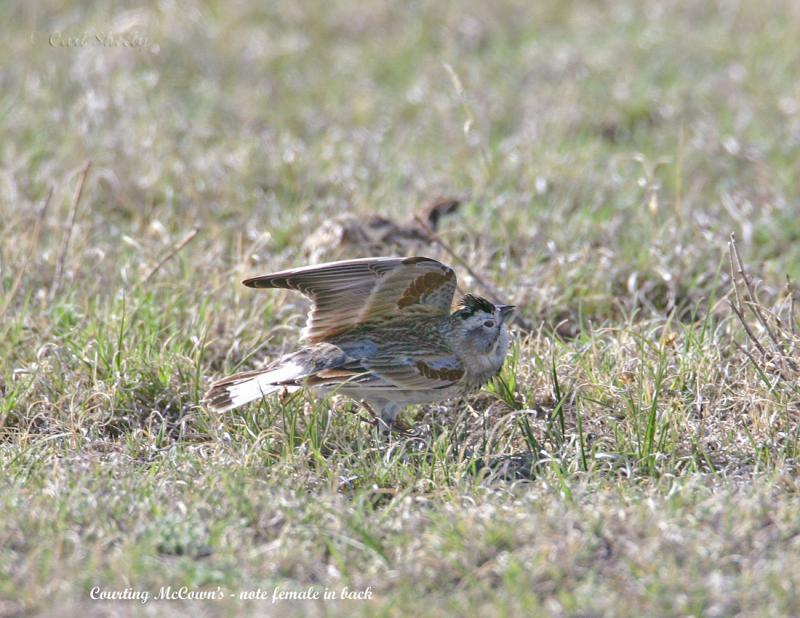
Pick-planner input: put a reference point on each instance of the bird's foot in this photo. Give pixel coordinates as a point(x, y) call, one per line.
point(388, 426)
point(399, 426)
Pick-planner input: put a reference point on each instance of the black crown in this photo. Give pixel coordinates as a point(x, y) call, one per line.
point(470, 304)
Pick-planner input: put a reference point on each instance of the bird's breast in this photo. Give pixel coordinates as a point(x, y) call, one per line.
point(483, 367)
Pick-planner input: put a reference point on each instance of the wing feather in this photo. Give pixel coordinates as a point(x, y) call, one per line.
point(350, 292)
point(410, 373)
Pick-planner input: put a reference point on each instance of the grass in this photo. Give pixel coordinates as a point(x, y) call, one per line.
point(637, 456)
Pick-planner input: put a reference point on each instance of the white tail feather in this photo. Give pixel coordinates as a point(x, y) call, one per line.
point(237, 391)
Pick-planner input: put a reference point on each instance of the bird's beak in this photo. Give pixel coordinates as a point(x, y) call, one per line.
point(506, 311)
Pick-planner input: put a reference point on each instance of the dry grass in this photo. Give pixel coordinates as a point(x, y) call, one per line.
point(639, 454)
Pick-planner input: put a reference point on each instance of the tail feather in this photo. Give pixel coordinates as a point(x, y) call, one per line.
point(242, 388)
point(290, 372)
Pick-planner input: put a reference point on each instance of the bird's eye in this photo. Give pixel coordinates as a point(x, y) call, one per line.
point(489, 323)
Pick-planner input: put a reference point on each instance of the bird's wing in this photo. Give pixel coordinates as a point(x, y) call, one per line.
point(349, 292)
point(414, 373)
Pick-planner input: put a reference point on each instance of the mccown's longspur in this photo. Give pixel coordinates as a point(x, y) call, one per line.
point(383, 331)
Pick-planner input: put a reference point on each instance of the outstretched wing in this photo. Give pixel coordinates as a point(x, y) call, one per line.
point(349, 292)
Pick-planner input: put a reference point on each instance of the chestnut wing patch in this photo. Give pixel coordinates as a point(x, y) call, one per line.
point(417, 374)
point(429, 287)
point(419, 282)
point(452, 374)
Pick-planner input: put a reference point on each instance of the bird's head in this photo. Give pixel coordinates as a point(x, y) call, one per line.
point(479, 324)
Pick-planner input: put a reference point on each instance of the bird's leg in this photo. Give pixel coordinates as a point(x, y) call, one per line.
point(389, 417)
point(377, 420)
point(385, 419)
point(401, 427)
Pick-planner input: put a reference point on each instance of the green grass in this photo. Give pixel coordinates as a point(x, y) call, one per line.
point(637, 456)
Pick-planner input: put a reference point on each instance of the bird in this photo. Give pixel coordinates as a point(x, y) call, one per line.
point(341, 233)
point(383, 331)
